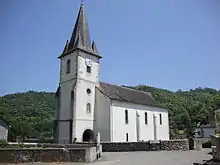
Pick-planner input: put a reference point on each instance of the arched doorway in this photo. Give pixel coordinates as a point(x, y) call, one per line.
point(88, 135)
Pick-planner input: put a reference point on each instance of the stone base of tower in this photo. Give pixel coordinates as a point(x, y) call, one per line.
point(63, 132)
point(84, 131)
point(66, 133)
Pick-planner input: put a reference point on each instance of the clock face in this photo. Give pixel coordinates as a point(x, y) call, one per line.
point(88, 62)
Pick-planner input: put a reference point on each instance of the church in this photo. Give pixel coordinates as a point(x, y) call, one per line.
point(86, 106)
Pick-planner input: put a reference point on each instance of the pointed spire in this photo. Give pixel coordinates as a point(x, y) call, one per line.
point(80, 36)
point(81, 29)
point(66, 46)
point(78, 43)
point(94, 48)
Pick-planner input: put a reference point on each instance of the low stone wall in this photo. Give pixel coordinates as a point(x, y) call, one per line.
point(50, 145)
point(168, 145)
point(18, 155)
point(171, 145)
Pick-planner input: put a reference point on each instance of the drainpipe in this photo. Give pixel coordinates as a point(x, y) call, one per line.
point(155, 126)
point(138, 126)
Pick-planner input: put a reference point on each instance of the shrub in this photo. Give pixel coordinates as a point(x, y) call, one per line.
point(3, 143)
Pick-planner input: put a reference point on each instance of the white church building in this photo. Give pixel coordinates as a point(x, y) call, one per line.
point(85, 106)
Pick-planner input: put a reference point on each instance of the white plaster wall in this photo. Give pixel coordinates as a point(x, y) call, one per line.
point(3, 133)
point(78, 80)
point(83, 74)
point(63, 76)
point(82, 98)
point(102, 116)
point(65, 111)
point(65, 98)
point(84, 120)
point(146, 130)
point(67, 83)
point(85, 80)
point(81, 126)
point(162, 130)
point(119, 128)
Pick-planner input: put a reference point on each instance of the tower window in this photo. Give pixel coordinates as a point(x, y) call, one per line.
point(88, 107)
point(88, 91)
point(126, 137)
point(145, 118)
point(161, 119)
point(88, 68)
point(126, 116)
point(68, 66)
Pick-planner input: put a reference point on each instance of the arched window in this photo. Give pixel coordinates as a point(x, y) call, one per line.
point(88, 107)
point(146, 118)
point(68, 66)
point(126, 116)
point(161, 119)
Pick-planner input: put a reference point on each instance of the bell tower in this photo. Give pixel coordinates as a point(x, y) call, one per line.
point(79, 75)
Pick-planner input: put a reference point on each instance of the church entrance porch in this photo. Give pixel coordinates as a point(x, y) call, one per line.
point(88, 135)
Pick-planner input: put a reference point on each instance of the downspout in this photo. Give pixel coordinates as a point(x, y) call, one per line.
point(155, 127)
point(137, 126)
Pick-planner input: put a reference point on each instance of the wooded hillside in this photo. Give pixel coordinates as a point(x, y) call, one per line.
point(31, 113)
point(186, 108)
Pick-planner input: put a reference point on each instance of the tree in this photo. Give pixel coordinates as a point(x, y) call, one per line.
point(31, 114)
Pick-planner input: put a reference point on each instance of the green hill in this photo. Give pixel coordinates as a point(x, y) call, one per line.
point(31, 113)
point(186, 108)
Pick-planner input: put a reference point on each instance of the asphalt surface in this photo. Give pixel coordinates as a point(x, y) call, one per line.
point(155, 158)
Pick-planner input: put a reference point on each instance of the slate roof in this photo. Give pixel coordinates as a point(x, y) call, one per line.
point(120, 93)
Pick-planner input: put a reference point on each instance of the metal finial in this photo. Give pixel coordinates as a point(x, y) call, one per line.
point(82, 2)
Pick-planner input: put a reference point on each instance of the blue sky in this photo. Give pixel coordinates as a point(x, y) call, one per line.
point(171, 44)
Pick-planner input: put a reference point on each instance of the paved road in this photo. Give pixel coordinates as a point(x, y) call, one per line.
point(147, 158)
point(154, 158)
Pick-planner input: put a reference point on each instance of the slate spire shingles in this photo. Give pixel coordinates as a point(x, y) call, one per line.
point(66, 46)
point(80, 38)
point(81, 28)
point(94, 48)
